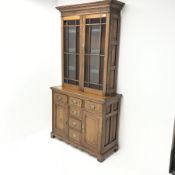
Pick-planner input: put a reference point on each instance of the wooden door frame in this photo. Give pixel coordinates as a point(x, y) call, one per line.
point(76, 17)
point(65, 130)
point(91, 90)
point(82, 19)
point(99, 129)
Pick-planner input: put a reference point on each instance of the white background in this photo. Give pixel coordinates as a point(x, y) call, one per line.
point(30, 64)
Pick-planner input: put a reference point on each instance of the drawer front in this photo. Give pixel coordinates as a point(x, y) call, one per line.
point(75, 102)
point(75, 135)
point(93, 107)
point(75, 113)
point(75, 124)
point(59, 98)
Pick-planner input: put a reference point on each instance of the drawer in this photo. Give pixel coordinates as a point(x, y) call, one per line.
point(93, 107)
point(75, 124)
point(59, 98)
point(75, 102)
point(75, 135)
point(75, 113)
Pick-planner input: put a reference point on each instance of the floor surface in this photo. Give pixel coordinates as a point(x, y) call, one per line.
point(38, 154)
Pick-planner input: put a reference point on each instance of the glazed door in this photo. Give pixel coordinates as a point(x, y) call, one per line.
point(71, 51)
point(91, 126)
point(95, 34)
point(60, 119)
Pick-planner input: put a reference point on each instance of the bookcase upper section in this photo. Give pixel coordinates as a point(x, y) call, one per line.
point(90, 46)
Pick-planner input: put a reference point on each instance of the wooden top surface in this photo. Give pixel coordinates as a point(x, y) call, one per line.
point(85, 95)
point(86, 6)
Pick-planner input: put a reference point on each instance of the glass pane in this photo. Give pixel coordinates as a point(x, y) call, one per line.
point(72, 66)
point(87, 44)
point(86, 75)
point(71, 51)
point(103, 34)
point(77, 22)
point(94, 69)
point(93, 21)
point(72, 22)
point(88, 21)
point(101, 69)
point(103, 20)
point(94, 52)
point(65, 22)
point(77, 67)
point(65, 65)
point(77, 39)
point(95, 39)
point(74, 82)
point(72, 39)
point(66, 39)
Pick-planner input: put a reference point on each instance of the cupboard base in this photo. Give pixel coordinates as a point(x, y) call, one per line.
point(86, 121)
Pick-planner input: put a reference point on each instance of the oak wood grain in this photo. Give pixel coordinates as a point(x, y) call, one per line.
point(88, 117)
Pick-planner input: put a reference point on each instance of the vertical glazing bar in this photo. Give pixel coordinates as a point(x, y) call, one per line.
point(75, 52)
point(99, 61)
point(106, 53)
point(68, 55)
point(89, 54)
point(62, 48)
point(82, 51)
point(117, 50)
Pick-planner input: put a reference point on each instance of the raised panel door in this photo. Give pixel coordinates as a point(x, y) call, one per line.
point(60, 119)
point(91, 127)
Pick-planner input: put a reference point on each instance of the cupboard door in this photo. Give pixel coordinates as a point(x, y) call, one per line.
point(71, 40)
point(60, 119)
point(95, 33)
point(91, 131)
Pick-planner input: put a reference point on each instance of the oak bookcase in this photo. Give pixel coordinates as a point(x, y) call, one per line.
point(86, 107)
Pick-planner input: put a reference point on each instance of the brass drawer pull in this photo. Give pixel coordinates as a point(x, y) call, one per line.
point(83, 129)
point(75, 112)
point(74, 102)
point(74, 135)
point(92, 107)
point(59, 98)
point(74, 123)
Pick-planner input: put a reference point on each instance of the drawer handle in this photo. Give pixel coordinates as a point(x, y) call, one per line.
point(74, 123)
point(59, 98)
point(74, 135)
point(74, 102)
point(75, 112)
point(92, 107)
point(83, 129)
